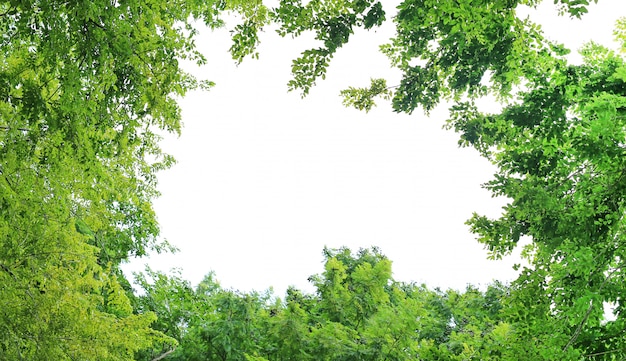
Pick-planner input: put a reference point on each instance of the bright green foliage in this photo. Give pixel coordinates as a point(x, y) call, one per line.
point(245, 35)
point(575, 8)
point(454, 48)
point(172, 299)
point(363, 98)
point(560, 152)
point(333, 22)
point(209, 322)
point(85, 89)
point(357, 313)
point(466, 326)
point(351, 290)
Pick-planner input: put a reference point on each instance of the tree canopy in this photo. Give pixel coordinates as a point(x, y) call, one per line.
point(559, 149)
point(358, 312)
point(558, 145)
point(87, 88)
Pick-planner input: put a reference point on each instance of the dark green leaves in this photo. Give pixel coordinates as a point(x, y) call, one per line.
point(450, 48)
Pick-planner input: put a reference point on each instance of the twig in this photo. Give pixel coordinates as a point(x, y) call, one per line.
point(604, 352)
point(584, 320)
point(9, 128)
point(164, 355)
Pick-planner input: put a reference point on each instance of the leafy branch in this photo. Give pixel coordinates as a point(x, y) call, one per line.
point(590, 308)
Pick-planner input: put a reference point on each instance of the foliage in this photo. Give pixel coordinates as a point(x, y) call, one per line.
point(333, 23)
point(86, 88)
point(363, 98)
point(444, 49)
point(357, 313)
point(559, 150)
point(169, 297)
point(210, 323)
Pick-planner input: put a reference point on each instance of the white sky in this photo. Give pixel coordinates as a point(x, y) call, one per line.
point(265, 180)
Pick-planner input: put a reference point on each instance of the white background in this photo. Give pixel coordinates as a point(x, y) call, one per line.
point(265, 180)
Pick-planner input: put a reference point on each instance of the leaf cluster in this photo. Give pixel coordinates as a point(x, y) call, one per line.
point(333, 23)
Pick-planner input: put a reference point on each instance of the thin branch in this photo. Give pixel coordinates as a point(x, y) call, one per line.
point(586, 317)
point(604, 352)
point(4, 127)
point(91, 21)
point(164, 355)
point(580, 327)
point(7, 270)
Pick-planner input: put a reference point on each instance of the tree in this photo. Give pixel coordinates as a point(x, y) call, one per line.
point(87, 87)
point(445, 49)
point(559, 148)
point(172, 299)
point(209, 322)
point(357, 313)
point(85, 90)
point(560, 155)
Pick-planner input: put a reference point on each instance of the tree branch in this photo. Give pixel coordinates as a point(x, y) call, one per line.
point(4, 127)
point(604, 352)
point(164, 355)
point(586, 317)
point(580, 326)
point(7, 270)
